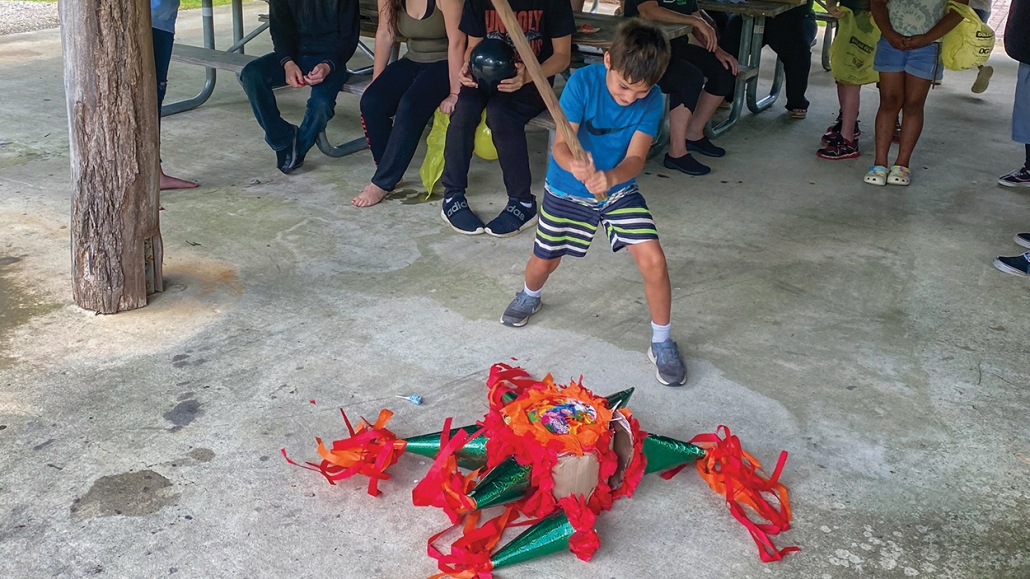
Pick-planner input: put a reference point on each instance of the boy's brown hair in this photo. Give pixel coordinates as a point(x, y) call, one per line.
point(639, 52)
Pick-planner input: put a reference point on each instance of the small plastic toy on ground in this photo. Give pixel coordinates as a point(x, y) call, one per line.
point(554, 457)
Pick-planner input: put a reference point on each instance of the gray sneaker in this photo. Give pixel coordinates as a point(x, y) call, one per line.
point(666, 356)
point(518, 311)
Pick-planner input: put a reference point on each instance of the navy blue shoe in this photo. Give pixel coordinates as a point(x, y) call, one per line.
point(287, 159)
point(706, 147)
point(513, 219)
point(457, 214)
point(686, 164)
point(1018, 265)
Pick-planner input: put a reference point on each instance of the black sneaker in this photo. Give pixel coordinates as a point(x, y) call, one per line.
point(686, 164)
point(513, 219)
point(457, 214)
point(287, 159)
point(1018, 178)
point(1022, 239)
point(518, 311)
point(1017, 265)
point(706, 147)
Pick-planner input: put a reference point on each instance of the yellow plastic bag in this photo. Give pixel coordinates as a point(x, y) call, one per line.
point(432, 165)
point(853, 48)
point(970, 43)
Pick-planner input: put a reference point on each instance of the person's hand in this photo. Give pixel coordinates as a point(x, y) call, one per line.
point(294, 77)
point(317, 74)
point(917, 41)
point(727, 60)
point(514, 83)
point(598, 184)
point(466, 77)
point(705, 34)
point(896, 40)
point(583, 170)
point(447, 106)
point(833, 9)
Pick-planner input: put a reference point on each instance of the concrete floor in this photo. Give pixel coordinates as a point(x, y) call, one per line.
point(862, 329)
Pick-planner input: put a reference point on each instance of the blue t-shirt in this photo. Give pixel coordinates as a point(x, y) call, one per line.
point(162, 14)
point(605, 126)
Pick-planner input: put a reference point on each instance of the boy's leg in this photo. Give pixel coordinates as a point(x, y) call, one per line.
point(916, 90)
point(258, 78)
point(892, 98)
point(507, 115)
point(321, 105)
point(1020, 128)
point(163, 41)
point(650, 261)
point(849, 96)
point(457, 154)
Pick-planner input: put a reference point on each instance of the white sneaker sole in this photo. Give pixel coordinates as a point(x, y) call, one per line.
point(461, 231)
point(658, 375)
point(1005, 183)
point(1004, 268)
point(1021, 242)
point(524, 227)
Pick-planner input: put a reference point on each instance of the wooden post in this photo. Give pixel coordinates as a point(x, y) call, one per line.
point(111, 89)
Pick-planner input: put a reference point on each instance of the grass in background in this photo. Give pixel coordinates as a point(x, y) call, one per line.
point(186, 4)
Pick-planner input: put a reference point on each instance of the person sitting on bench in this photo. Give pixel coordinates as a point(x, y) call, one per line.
point(312, 42)
point(403, 95)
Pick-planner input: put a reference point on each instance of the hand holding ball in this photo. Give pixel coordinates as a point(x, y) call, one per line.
point(490, 62)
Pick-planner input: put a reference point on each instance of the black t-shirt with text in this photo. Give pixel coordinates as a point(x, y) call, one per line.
point(541, 21)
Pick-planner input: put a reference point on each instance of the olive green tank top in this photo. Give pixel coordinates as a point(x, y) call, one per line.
point(427, 38)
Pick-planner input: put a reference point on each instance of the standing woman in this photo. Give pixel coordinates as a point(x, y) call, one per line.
point(398, 104)
point(162, 16)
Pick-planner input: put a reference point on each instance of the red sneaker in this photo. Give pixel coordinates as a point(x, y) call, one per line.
point(839, 148)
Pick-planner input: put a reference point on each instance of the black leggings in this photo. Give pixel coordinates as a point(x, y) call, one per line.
point(790, 35)
point(394, 111)
point(685, 76)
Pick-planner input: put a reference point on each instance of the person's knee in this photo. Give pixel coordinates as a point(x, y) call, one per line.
point(501, 120)
point(892, 101)
point(651, 259)
point(250, 76)
point(913, 105)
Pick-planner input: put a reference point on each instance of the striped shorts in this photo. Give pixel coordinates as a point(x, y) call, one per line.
point(567, 226)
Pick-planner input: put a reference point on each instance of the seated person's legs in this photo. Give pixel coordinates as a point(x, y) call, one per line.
point(410, 100)
point(720, 84)
point(507, 115)
point(457, 154)
point(258, 78)
point(321, 104)
point(682, 81)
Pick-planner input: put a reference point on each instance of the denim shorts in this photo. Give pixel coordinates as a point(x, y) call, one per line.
point(924, 63)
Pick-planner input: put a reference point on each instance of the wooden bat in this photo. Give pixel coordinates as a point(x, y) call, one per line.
point(504, 12)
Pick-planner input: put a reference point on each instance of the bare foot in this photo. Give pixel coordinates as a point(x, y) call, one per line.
point(175, 183)
point(369, 196)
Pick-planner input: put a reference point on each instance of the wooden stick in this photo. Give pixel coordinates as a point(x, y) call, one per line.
point(536, 73)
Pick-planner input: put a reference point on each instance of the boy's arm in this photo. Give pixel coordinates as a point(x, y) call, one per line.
point(628, 168)
point(944, 25)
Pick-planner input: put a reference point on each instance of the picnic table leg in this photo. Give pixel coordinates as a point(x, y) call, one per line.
point(336, 151)
point(209, 77)
point(745, 60)
point(237, 23)
point(755, 105)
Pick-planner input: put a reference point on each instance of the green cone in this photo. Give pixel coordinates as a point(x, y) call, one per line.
point(506, 482)
point(470, 456)
point(664, 453)
point(550, 535)
point(619, 399)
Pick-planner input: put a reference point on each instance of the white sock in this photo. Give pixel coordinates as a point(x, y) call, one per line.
point(660, 333)
point(531, 293)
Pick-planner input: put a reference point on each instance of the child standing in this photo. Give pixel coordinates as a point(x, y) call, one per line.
point(615, 110)
point(908, 58)
point(842, 138)
point(548, 25)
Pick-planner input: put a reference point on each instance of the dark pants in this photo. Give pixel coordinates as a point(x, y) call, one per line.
point(790, 35)
point(506, 115)
point(689, 66)
point(162, 57)
point(262, 75)
point(394, 111)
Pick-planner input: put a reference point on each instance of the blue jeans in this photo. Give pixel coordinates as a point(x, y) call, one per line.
point(264, 74)
point(162, 57)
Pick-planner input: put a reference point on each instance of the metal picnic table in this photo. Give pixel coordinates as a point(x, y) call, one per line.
point(753, 14)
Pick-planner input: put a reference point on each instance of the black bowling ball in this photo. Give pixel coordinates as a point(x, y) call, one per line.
point(491, 61)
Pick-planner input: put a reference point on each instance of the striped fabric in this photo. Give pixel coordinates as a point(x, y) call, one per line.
point(566, 227)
